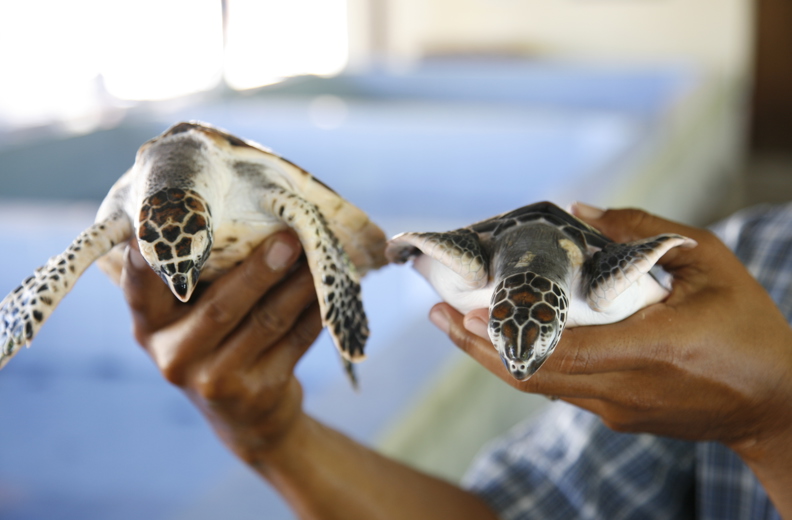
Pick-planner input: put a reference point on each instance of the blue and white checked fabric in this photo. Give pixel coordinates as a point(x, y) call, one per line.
point(567, 464)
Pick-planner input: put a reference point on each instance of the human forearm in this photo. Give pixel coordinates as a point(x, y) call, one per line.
point(326, 475)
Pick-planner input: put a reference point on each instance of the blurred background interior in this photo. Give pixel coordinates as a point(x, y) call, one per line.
point(428, 114)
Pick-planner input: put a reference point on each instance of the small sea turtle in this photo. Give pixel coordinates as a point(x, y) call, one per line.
point(198, 200)
point(537, 269)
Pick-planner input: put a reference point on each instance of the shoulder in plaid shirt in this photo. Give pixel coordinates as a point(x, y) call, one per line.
point(567, 464)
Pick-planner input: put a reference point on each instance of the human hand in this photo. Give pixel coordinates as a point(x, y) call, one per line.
point(711, 362)
point(232, 349)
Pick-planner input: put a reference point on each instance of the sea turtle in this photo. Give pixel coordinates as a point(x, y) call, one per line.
point(198, 200)
point(538, 269)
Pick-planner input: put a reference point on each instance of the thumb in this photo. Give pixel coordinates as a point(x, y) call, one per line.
point(450, 321)
point(148, 298)
point(627, 225)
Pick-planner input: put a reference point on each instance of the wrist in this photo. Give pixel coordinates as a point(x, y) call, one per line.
point(772, 408)
point(768, 447)
point(260, 450)
point(766, 451)
point(770, 460)
point(283, 450)
point(261, 435)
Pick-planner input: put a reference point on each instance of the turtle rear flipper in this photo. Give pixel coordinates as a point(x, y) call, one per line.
point(614, 269)
point(24, 311)
point(335, 277)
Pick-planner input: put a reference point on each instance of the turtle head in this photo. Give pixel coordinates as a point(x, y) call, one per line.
point(524, 349)
point(175, 237)
point(527, 318)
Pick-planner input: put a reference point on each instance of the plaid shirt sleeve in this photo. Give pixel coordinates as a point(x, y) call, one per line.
point(567, 464)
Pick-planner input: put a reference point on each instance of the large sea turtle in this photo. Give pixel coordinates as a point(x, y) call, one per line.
point(538, 269)
point(198, 200)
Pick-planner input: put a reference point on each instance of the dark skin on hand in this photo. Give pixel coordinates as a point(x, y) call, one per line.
point(232, 349)
point(713, 362)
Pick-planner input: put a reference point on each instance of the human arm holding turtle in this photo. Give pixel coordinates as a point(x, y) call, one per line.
point(232, 350)
point(711, 362)
point(213, 349)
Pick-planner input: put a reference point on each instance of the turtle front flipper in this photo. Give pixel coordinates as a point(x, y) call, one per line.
point(458, 250)
point(335, 277)
point(24, 311)
point(453, 262)
point(618, 268)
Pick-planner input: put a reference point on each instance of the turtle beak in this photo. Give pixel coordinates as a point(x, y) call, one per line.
point(524, 349)
point(181, 287)
point(522, 370)
point(182, 284)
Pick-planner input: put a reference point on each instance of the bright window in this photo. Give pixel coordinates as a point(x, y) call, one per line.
point(268, 40)
point(62, 60)
point(160, 49)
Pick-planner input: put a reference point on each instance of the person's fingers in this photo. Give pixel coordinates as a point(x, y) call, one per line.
point(611, 415)
point(270, 320)
point(292, 346)
point(149, 299)
point(609, 353)
point(627, 225)
point(245, 370)
point(627, 345)
point(645, 414)
point(230, 298)
point(476, 321)
point(637, 341)
point(219, 309)
point(275, 316)
point(577, 358)
point(450, 321)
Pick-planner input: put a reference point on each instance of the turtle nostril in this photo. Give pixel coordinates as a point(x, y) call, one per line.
point(180, 286)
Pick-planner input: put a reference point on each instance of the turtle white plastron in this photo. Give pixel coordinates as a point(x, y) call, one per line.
point(537, 269)
point(198, 200)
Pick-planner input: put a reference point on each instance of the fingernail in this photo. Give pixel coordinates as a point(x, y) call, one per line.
point(136, 259)
point(279, 255)
point(440, 319)
point(477, 327)
point(586, 212)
